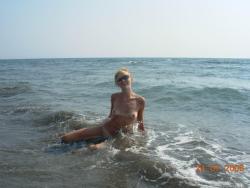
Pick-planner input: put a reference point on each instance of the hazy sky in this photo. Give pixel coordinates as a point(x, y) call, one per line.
point(124, 28)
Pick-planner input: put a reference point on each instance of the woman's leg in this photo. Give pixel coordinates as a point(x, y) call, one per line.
point(97, 146)
point(82, 134)
point(107, 128)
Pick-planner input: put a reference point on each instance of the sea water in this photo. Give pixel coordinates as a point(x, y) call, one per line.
point(197, 114)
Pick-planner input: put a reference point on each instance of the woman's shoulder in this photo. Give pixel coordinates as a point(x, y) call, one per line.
point(115, 95)
point(140, 99)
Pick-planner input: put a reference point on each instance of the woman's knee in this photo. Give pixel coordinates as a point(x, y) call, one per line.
point(67, 138)
point(73, 136)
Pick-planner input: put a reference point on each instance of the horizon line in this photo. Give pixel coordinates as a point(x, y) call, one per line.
point(128, 57)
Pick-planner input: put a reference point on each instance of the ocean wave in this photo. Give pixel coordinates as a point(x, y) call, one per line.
point(240, 83)
point(192, 143)
point(174, 95)
point(52, 118)
point(173, 99)
point(225, 93)
point(184, 149)
point(152, 91)
point(60, 116)
point(135, 62)
point(63, 121)
point(14, 89)
point(29, 108)
point(154, 171)
point(105, 84)
point(187, 166)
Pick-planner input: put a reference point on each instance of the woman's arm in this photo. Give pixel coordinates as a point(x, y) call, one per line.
point(140, 115)
point(112, 105)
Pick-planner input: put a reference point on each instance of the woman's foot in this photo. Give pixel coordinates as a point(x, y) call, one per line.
point(93, 147)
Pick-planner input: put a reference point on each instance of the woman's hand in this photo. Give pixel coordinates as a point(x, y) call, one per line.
point(141, 126)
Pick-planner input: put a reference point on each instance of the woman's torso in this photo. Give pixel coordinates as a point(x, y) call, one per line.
point(124, 113)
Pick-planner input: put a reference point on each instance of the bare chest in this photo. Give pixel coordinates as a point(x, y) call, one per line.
point(126, 106)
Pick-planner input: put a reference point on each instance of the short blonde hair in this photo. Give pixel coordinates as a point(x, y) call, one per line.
point(122, 70)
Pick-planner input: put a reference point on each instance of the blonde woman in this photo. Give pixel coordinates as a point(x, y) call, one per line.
point(127, 108)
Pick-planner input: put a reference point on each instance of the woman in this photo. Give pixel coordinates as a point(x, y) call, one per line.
point(126, 109)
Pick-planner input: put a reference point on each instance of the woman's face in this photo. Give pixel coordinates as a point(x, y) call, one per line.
point(123, 80)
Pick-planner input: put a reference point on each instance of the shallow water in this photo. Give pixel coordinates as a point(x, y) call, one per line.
point(197, 112)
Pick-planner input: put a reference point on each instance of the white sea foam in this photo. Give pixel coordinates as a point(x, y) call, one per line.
point(185, 169)
point(151, 137)
point(182, 139)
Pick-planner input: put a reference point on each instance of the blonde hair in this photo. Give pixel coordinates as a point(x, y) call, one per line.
point(122, 70)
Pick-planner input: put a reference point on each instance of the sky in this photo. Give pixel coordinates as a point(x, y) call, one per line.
point(128, 28)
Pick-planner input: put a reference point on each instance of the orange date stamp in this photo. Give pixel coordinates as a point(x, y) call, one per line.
point(215, 168)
